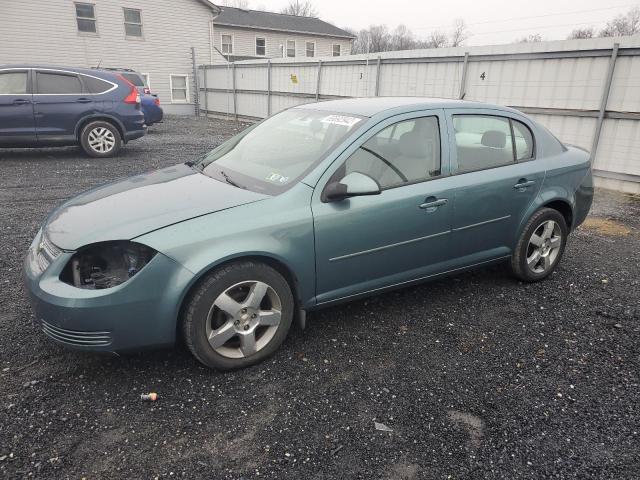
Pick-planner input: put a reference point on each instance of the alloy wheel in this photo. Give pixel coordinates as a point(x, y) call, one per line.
point(101, 140)
point(243, 319)
point(544, 246)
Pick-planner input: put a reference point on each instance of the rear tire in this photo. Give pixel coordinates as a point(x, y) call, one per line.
point(541, 246)
point(100, 139)
point(238, 315)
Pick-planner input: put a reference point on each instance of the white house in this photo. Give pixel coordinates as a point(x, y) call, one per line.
point(155, 37)
point(240, 34)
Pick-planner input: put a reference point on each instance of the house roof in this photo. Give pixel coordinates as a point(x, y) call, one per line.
point(237, 17)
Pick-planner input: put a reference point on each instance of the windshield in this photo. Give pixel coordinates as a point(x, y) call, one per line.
point(272, 155)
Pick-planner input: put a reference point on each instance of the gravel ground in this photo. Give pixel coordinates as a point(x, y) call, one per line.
point(477, 376)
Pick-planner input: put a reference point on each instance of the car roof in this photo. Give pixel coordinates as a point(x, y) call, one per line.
point(371, 106)
point(87, 71)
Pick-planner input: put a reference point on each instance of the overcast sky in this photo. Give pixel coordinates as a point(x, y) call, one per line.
point(489, 21)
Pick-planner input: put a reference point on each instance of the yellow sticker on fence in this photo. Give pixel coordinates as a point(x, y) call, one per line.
point(294, 78)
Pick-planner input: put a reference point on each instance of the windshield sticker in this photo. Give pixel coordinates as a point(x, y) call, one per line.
point(341, 120)
point(277, 178)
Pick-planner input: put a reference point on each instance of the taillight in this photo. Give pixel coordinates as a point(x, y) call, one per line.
point(156, 101)
point(133, 97)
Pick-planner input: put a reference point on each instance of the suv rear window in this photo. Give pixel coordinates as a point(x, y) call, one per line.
point(134, 78)
point(58, 83)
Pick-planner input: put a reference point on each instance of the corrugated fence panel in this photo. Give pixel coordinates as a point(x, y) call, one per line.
point(252, 104)
point(625, 89)
point(549, 83)
point(254, 78)
point(296, 79)
point(564, 80)
point(619, 147)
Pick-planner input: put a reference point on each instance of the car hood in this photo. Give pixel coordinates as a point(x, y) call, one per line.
point(132, 207)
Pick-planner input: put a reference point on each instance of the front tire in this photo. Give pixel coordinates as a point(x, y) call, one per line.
point(541, 246)
point(100, 139)
point(238, 315)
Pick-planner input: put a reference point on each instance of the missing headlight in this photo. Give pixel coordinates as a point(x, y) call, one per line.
point(106, 265)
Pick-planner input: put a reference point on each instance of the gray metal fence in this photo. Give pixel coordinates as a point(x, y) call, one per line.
point(586, 91)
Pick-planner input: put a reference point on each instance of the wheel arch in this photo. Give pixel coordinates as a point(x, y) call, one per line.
point(564, 207)
point(274, 262)
point(100, 117)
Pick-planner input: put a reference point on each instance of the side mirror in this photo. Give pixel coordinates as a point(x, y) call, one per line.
point(355, 184)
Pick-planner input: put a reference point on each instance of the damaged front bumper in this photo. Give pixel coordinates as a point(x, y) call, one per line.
point(138, 314)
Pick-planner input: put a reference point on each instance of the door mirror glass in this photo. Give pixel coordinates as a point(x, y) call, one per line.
point(355, 184)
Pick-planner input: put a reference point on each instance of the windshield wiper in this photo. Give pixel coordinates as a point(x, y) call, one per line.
point(227, 179)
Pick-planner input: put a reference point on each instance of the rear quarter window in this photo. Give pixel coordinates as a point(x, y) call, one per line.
point(95, 85)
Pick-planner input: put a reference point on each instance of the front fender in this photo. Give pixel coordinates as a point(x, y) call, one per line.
point(279, 228)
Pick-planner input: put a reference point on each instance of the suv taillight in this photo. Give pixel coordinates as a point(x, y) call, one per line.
point(156, 101)
point(133, 97)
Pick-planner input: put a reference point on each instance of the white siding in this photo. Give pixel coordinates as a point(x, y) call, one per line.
point(45, 32)
point(244, 42)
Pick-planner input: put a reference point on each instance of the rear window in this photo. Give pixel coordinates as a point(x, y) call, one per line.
point(95, 85)
point(13, 83)
point(58, 83)
point(134, 78)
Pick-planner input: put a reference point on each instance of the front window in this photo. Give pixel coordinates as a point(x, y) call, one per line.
point(227, 44)
point(86, 18)
point(132, 22)
point(261, 47)
point(337, 50)
point(311, 49)
point(291, 48)
point(403, 153)
point(13, 83)
point(272, 155)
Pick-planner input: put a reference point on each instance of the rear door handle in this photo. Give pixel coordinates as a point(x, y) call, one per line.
point(431, 204)
point(523, 183)
point(21, 101)
point(83, 100)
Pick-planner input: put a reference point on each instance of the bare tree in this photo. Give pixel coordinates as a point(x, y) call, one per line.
point(579, 33)
point(626, 24)
point(300, 9)
point(534, 37)
point(436, 39)
point(379, 38)
point(402, 38)
point(460, 32)
point(235, 3)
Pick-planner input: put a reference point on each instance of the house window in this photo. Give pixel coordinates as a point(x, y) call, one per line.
point(261, 47)
point(132, 22)
point(86, 17)
point(291, 48)
point(179, 88)
point(147, 79)
point(227, 44)
point(337, 50)
point(311, 49)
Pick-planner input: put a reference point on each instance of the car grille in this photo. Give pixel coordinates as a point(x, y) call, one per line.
point(76, 337)
point(47, 252)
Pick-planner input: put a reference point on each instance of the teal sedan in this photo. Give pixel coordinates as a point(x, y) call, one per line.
point(319, 204)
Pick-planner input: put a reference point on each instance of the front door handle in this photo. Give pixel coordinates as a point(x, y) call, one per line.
point(21, 101)
point(523, 183)
point(431, 204)
point(83, 100)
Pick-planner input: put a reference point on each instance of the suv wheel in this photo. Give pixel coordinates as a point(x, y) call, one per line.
point(100, 139)
point(540, 246)
point(238, 315)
